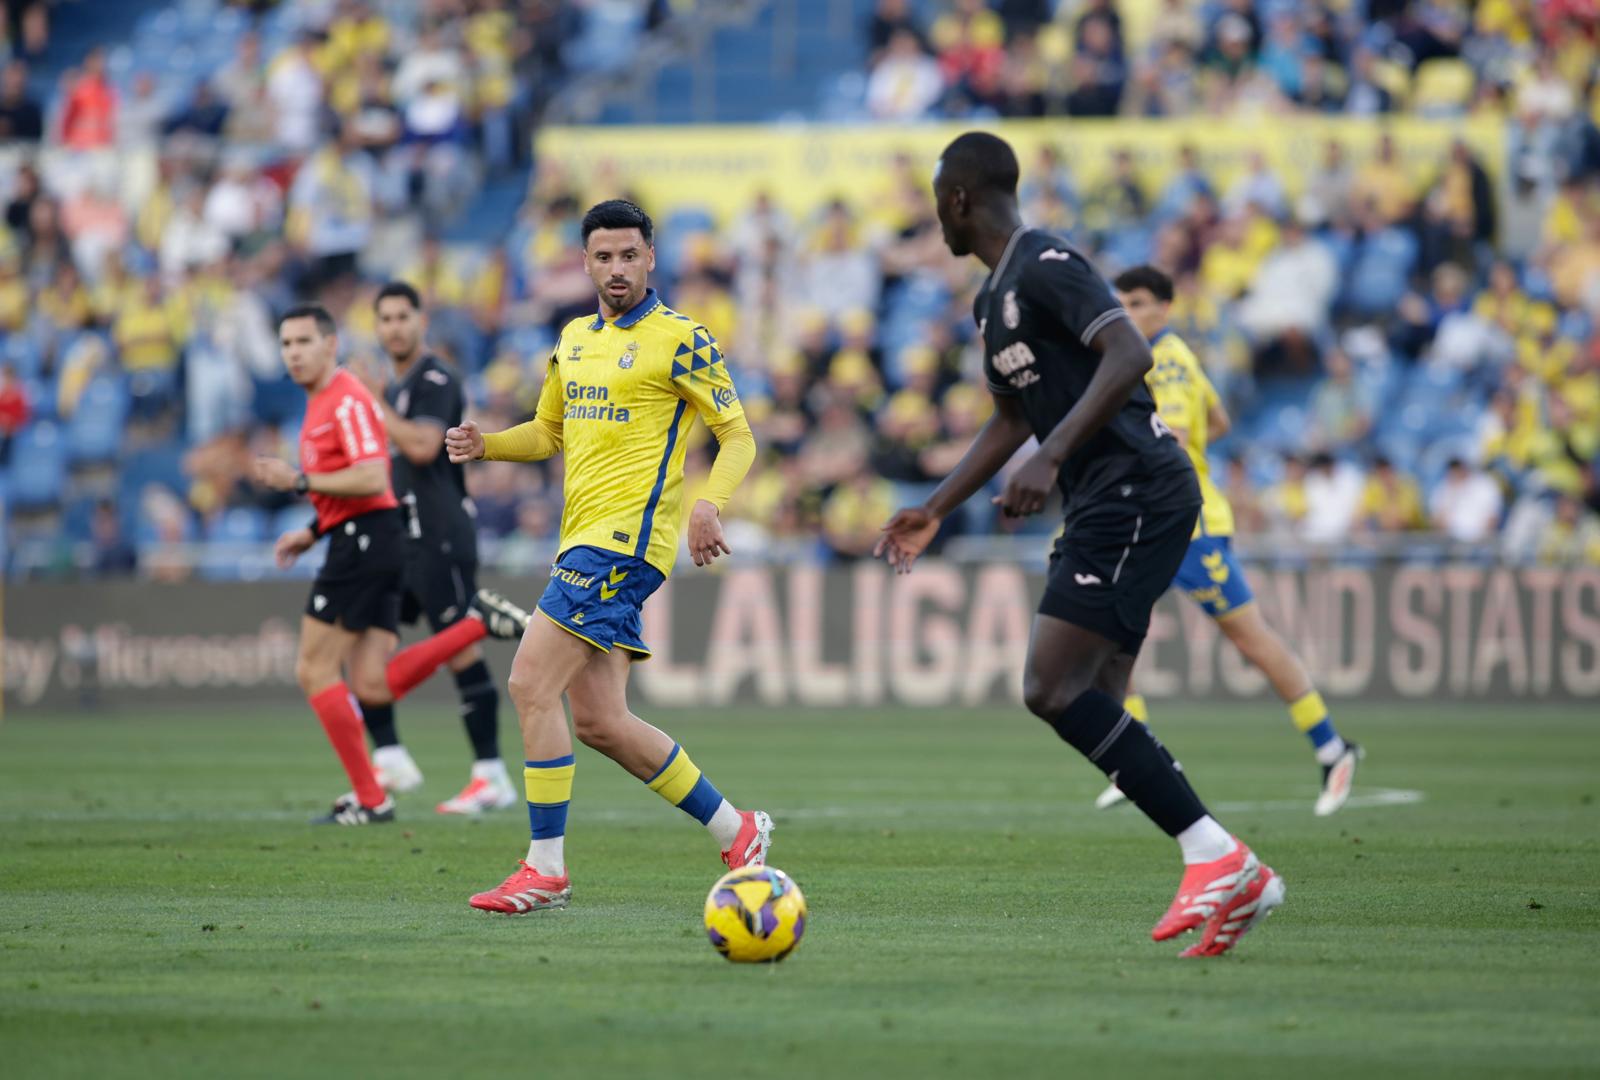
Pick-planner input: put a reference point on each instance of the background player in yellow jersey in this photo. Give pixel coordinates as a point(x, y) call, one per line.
point(622, 390)
point(1210, 573)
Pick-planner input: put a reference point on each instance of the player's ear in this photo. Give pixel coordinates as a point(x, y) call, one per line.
point(649, 258)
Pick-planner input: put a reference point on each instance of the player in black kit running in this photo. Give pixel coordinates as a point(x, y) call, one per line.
point(1066, 365)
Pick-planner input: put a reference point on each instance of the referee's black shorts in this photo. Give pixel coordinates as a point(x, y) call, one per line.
point(437, 586)
point(1112, 564)
point(359, 584)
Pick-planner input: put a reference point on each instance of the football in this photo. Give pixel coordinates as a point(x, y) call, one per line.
point(755, 915)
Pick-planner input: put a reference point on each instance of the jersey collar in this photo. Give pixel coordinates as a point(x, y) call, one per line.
point(630, 317)
point(1163, 332)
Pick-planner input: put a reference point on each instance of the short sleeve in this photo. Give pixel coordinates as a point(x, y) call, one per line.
point(435, 397)
point(1063, 286)
point(701, 377)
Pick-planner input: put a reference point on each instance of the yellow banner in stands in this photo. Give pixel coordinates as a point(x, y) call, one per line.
point(721, 168)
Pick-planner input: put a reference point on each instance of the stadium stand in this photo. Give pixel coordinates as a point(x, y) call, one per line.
point(1403, 328)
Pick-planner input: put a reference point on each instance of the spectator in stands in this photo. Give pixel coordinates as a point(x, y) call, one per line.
point(970, 41)
point(21, 118)
point(891, 17)
point(16, 409)
point(1367, 95)
point(88, 118)
point(16, 299)
point(1289, 299)
point(295, 90)
point(905, 82)
point(113, 555)
point(1391, 501)
point(1119, 201)
point(1258, 186)
point(853, 515)
point(24, 190)
point(241, 79)
point(1326, 199)
point(1383, 185)
point(1098, 70)
point(1342, 407)
point(1466, 504)
point(840, 272)
point(331, 211)
point(1572, 537)
point(149, 335)
point(142, 115)
point(1332, 497)
point(205, 114)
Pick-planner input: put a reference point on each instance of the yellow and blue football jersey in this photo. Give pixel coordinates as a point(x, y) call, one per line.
point(1184, 398)
point(624, 395)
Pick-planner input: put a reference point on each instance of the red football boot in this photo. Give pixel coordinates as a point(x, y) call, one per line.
point(524, 892)
point(1205, 888)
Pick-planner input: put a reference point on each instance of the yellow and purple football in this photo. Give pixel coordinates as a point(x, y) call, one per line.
point(755, 915)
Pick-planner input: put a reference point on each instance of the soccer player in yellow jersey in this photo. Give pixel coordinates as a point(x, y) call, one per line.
point(1210, 573)
point(622, 390)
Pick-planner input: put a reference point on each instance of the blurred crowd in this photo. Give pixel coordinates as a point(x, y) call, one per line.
point(1409, 349)
point(1233, 58)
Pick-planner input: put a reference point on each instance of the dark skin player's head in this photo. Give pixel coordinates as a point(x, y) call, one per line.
point(975, 191)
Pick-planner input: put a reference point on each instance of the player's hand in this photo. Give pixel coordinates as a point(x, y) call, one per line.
point(274, 473)
point(1025, 493)
point(290, 546)
point(706, 541)
point(367, 372)
point(906, 536)
point(464, 443)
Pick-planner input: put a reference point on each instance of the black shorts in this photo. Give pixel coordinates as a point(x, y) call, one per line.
point(1112, 564)
point(438, 587)
point(359, 584)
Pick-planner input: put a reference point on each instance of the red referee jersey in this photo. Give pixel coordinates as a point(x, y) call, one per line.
point(344, 427)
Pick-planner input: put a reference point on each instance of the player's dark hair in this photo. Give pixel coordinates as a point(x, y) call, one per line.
point(617, 214)
point(1146, 277)
point(325, 324)
point(982, 163)
point(402, 289)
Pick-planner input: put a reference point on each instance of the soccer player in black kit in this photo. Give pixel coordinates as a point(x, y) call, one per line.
point(423, 400)
point(1066, 365)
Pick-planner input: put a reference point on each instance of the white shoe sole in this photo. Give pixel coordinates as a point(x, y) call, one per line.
point(1110, 797)
point(464, 808)
point(1270, 900)
point(763, 841)
point(1341, 781)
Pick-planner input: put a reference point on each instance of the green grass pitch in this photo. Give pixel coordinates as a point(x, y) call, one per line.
point(165, 910)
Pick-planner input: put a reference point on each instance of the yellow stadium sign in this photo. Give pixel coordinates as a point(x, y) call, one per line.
point(722, 168)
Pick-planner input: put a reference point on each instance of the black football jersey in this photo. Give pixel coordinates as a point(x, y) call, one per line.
point(434, 495)
point(1037, 313)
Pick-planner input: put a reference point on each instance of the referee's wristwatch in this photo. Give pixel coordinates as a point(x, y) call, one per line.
point(302, 483)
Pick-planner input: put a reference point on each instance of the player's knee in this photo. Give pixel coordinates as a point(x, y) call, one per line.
point(371, 686)
point(314, 673)
point(527, 692)
point(593, 729)
point(1048, 697)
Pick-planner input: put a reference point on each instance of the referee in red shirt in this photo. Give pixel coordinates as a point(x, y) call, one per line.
point(353, 613)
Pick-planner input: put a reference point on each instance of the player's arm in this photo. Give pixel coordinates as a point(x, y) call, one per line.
point(711, 391)
point(911, 530)
point(419, 439)
point(370, 477)
point(535, 440)
point(1124, 360)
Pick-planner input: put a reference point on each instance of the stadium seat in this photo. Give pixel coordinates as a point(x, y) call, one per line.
point(238, 525)
point(94, 433)
point(38, 470)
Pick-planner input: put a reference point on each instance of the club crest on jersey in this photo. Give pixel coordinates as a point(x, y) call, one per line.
point(1010, 312)
point(629, 354)
point(575, 355)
